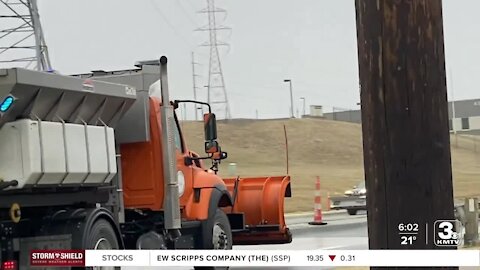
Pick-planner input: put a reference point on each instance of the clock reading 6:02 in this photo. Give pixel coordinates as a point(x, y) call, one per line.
point(408, 227)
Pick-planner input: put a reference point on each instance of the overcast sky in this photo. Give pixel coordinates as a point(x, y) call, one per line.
point(312, 42)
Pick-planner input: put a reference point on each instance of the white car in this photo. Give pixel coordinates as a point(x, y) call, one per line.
point(353, 200)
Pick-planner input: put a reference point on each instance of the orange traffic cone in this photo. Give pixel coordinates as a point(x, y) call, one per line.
point(317, 214)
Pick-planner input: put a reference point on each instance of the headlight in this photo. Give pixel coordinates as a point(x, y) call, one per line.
point(363, 191)
point(181, 183)
point(348, 192)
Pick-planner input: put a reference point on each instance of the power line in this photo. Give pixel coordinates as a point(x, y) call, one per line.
point(162, 15)
point(179, 3)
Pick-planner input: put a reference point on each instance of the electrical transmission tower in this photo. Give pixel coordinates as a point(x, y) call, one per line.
point(195, 88)
point(21, 37)
point(217, 93)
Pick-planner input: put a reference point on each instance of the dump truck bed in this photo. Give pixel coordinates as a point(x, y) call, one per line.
point(52, 97)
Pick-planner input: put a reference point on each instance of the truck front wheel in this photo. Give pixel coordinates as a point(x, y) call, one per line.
point(217, 234)
point(102, 236)
point(222, 233)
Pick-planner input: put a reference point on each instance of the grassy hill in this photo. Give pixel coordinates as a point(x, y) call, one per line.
point(329, 149)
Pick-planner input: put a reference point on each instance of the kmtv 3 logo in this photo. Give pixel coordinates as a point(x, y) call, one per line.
point(446, 234)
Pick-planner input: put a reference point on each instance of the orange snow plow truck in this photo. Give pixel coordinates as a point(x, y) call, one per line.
point(98, 161)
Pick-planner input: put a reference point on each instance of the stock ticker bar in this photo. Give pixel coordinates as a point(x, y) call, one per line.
point(259, 258)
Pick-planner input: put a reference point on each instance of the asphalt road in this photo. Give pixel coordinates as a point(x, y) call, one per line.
point(341, 232)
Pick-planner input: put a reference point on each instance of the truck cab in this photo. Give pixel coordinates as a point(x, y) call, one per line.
point(201, 191)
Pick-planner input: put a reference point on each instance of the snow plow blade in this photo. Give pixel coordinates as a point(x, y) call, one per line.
point(261, 201)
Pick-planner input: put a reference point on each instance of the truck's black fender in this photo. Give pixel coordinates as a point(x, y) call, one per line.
point(77, 222)
point(94, 214)
point(220, 197)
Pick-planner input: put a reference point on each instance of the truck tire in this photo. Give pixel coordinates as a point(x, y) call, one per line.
point(102, 236)
point(352, 212)
point(217, 234)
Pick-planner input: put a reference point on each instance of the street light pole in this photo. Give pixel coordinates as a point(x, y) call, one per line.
point(302, 98)
point(453, 104)
point(291, 97)
point(454, 126)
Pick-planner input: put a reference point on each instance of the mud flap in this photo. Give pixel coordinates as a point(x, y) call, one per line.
point(261, 201)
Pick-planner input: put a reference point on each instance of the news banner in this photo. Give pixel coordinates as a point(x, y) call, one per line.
point(444, 235)
point(256, 258)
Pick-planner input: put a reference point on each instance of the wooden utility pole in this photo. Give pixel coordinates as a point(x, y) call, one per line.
point(405, 119)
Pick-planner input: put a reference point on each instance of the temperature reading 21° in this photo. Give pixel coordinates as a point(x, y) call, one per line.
point(408, 233)
point(408, 240)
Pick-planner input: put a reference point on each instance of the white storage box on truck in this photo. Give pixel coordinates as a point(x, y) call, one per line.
point(37, 153)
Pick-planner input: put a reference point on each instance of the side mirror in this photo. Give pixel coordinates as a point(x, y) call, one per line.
point(212, 147)
point(210, 126)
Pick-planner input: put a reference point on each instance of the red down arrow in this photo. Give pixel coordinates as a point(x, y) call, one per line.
point(332, 257)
